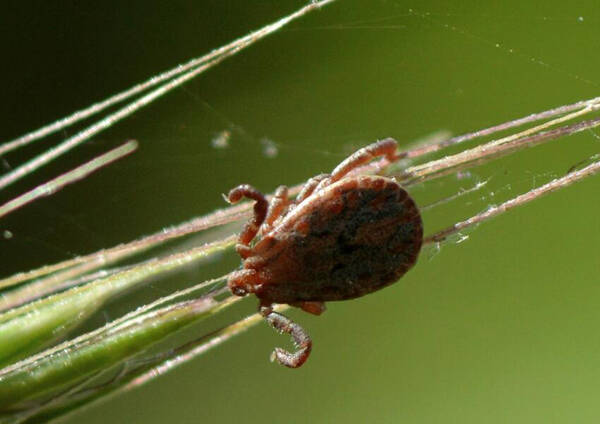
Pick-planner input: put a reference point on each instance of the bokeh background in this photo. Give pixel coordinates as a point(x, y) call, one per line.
point(501, 327)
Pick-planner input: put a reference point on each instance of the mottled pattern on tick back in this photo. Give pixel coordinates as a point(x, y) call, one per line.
point(349, 239)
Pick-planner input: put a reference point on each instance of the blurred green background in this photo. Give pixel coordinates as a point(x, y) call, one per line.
point(502, 327)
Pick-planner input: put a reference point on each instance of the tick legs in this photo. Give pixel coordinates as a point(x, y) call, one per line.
point(310, 186)
point(253, 225)
point(278, 206)
point(315, 308)
point(302, 341)
point(385, 148)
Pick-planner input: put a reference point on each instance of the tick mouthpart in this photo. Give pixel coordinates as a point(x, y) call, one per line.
point(243, 282)
point(238, 291)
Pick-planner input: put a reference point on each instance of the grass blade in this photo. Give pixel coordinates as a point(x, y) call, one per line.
point(68, 366)
point(29, 328)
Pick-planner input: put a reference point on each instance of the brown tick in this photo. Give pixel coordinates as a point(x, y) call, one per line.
point(340, 239)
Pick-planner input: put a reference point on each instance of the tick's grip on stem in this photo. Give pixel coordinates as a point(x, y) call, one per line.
point(302, 341)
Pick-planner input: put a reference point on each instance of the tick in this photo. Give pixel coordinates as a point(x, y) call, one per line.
point(341, 238)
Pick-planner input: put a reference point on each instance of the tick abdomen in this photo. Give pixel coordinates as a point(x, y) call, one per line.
point(349, 239)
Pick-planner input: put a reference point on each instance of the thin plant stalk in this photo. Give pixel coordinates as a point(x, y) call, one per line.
point(233, 47)
point(583, 105)
point(493, 149)
point(556, 184)
point(67, 178)
point(129, 109)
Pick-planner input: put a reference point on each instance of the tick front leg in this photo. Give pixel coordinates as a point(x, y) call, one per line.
point(302, 341)
point(253, 225)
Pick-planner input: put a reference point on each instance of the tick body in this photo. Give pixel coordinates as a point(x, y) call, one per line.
point(343, 237)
